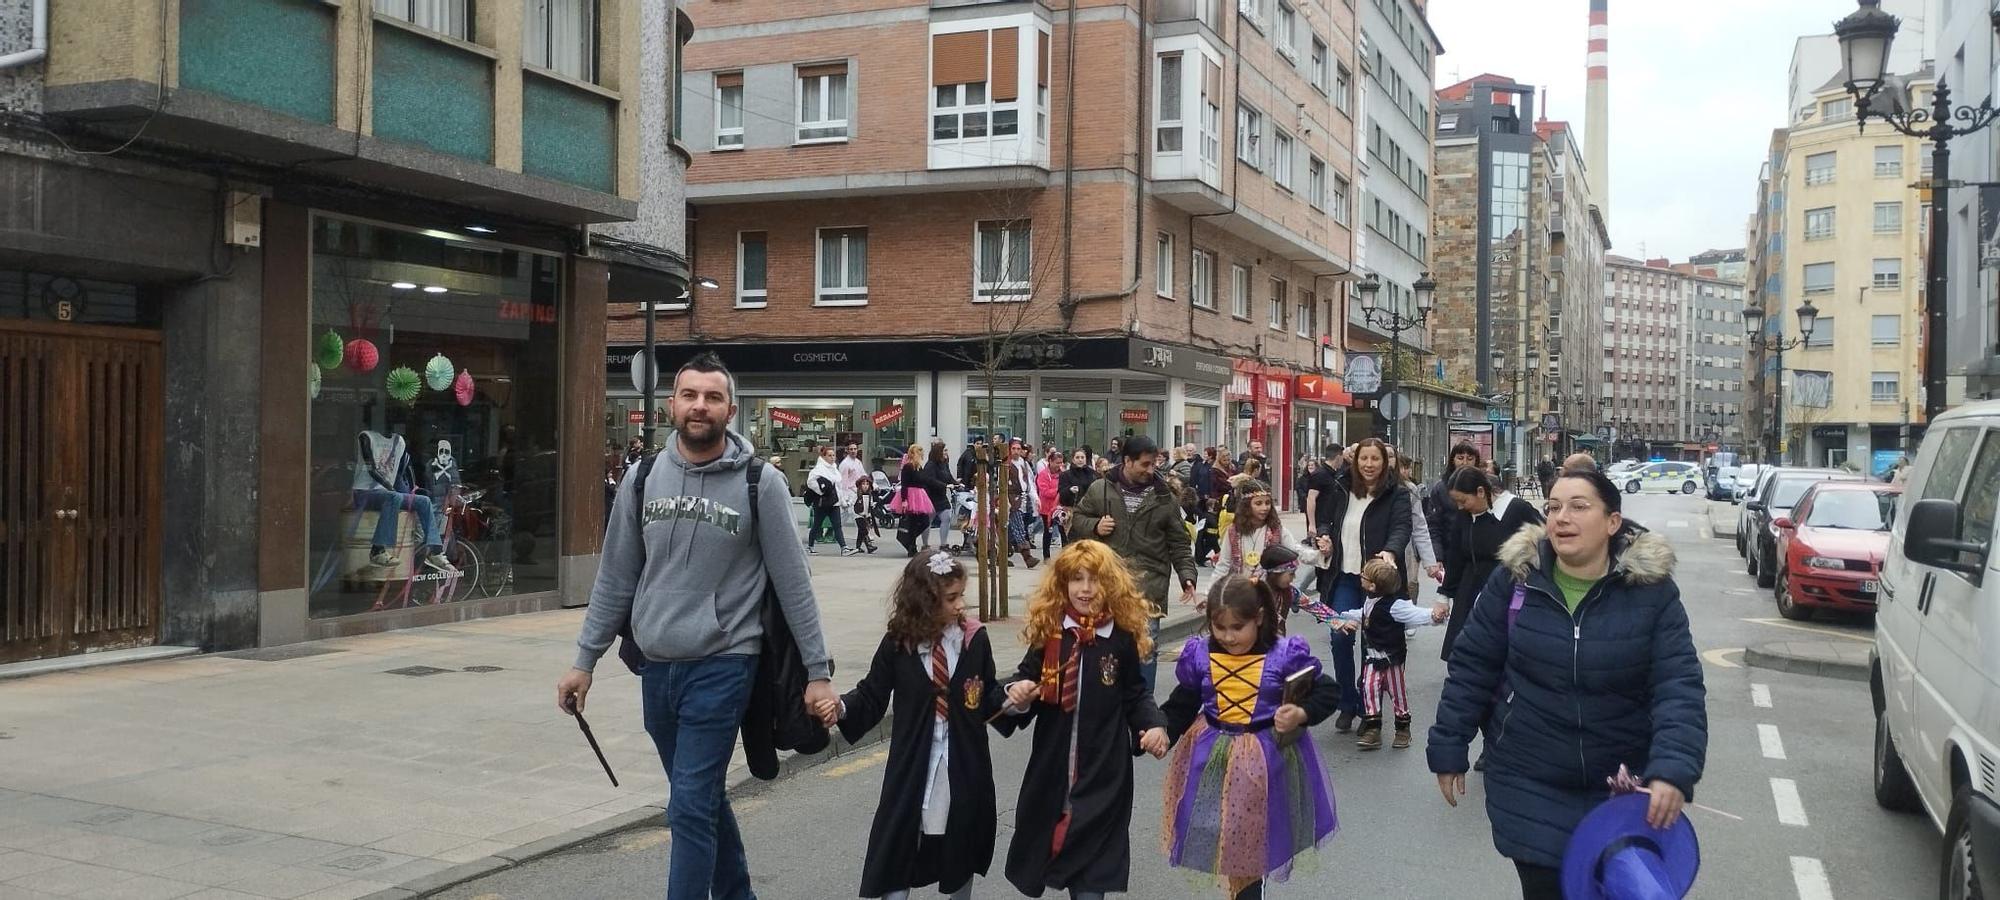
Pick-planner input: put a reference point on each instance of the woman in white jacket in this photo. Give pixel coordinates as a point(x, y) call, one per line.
point(1256, 526)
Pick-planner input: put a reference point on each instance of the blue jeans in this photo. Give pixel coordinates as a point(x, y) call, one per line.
point(388, 506)
point(1343, 592)
point(693, 710)
point(1150, 666)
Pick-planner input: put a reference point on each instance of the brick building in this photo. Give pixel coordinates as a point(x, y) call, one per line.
point(918, 206)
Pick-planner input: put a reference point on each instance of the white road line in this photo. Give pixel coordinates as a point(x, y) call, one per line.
point(1760, 696)
point(1767, 737)
point(1810, 877)
point(1785, 793)
point(1677, 523)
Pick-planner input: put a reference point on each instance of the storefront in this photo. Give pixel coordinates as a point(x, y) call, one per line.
point(1319, 415)
point(1259, 397)
point(788, 427)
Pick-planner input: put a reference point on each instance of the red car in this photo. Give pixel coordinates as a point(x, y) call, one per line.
point(1830, 548)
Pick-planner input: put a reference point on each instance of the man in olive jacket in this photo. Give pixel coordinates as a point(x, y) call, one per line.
point(1133, 511)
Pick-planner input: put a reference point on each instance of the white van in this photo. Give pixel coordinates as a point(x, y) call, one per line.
point(1935, 667)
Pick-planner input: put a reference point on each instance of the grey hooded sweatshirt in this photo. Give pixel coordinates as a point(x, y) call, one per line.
point(694, 587)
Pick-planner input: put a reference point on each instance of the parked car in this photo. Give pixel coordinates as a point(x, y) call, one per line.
point(1830, 548)
point(1623, 465)
point(1934, 673)
point(1723, 485)
point(1746, 477)
point(1776, 498)
point(1660, 477)
point(1744, 518)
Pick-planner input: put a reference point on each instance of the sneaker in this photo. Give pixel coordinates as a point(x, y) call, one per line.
point(1344, 722)
point(850, 551)
point(438, 562)
point(812, 550)
point(872, 548)
point(384, 558)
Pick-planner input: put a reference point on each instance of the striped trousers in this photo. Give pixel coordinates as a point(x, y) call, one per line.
point(1378, 676)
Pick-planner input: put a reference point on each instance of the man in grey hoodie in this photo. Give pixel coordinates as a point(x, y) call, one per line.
point(691, 579)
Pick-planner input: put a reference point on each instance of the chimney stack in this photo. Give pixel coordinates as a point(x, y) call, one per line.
point(1598, 111)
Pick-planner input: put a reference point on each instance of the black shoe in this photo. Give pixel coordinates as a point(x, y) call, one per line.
point(1344, 722)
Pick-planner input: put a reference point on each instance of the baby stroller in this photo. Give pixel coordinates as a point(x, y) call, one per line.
point(885, 521)
point(965, 505)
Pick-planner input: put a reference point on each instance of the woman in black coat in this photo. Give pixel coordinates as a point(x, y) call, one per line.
point(1367, 516)
point(913, 525)
point(938, 470)
point(1488, 518)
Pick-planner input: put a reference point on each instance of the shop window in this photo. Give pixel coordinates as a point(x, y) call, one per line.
point(433, 422)
point(1006, 416)
point(786, 429)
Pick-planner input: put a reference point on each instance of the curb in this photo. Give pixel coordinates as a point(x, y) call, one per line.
point(1844, 671)
point(742, 784)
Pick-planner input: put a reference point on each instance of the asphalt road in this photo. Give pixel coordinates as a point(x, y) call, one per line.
point(1812, 743)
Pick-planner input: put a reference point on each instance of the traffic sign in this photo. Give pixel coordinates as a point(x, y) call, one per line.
point(1496, 414)
point(1394, 406)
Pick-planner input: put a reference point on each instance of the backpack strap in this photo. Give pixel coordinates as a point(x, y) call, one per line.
point(1514, 606)
point(639, 506)
point(753, 475)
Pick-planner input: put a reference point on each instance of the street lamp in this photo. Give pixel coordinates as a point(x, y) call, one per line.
point(1395, 323)
point(1753, 326)
point(1517, 402)
point(1865, 37)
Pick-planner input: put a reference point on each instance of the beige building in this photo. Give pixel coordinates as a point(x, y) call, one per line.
point(1852, 238)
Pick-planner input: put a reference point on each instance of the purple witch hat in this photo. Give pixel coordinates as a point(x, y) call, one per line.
point(1615, 855)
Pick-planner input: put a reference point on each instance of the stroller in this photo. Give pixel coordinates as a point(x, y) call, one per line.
point(965, 506)
point(885, 521)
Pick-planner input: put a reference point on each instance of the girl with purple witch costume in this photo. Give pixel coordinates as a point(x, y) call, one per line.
point(1245, 793)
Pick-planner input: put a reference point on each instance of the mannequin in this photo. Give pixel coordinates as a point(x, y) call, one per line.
point(385, 481)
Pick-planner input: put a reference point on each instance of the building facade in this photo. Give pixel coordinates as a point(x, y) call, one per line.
point(1714, 372)
point(1645, 319)
point(1578, 240)
point(1972, 298)
point(950, 230)
point(304, 293)
point(1728, 265)
point(1765, 260)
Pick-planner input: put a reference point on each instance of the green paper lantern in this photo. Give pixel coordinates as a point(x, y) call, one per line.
point(312, 381)
point(439, 372)
point(331, 352)
point(403, 383)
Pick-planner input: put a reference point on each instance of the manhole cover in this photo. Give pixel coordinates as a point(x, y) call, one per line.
point(417, 671)
point(484, 669)
point(279, 654)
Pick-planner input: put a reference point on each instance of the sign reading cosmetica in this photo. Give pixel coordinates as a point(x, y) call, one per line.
point(1044, 352)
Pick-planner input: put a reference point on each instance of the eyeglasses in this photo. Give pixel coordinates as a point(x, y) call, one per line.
point(1575, 507)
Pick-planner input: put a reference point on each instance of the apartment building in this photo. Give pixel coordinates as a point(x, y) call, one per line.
point(1728, 265)
point(1578, 239)
point(1971, 340)
point(262, 255)
point(1764, 260)
point(1714, 365)
point(1645, 316)
point(947, 219)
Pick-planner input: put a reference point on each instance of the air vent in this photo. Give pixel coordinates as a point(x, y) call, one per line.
point(1204, 392)
point(1987, 776)
point(1143, 387)
point(976, 385)
point(1060, 386)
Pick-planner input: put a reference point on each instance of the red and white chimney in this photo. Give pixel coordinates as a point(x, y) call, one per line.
point(1597, 112)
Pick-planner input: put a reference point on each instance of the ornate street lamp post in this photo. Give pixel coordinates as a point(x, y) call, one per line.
point(1395, 323)
point(1753, 325)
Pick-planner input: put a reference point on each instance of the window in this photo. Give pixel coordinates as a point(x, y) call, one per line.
point(1889, 218)
point(1819, 279)
point(1340, 204)
point(1343, 89)
point(843, 267)
point(1308, 315)
point(1301, 319)
point(1168, 132)
point(1239, 292)
point(1316, 64)
point(751, 263)
point(1280, 297)
point(1249, 134)
point(446, 17)
point(1834, 110)
point(1975, 522)
point(1885, 331)
point(1163, 265)
point(1819, 223)
point(823, 103)
point(1448, 122)
point(1889, 161)
point(1211, 113)
point(1281, 159)
point(1884, 387)
point(1888, 274)
point(1316, 182)
point(963, 111)
point(1251, 9)
point(1003, 259)
point(1201, 281)
point(1822, 333)
point(1286, 30)
point(1819, 168)
point(561, 36)
point(729, 111)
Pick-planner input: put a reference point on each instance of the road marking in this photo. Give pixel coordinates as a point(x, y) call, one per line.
point(1785, 793)
point(1810, 877)
point(1823, 632)
point(1677, 523)
point(1720, 657)
point(1706, 534)
point(1767, 737)
point(1760, 696)
point(859, 765)
point(647, 839)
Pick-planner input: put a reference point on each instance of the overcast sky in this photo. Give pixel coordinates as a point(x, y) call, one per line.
point(1695, 92)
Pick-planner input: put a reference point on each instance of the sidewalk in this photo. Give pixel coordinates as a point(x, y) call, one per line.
point(1847, 660)
point(389, 764)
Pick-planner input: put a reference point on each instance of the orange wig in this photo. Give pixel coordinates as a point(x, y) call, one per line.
point(1117, 594)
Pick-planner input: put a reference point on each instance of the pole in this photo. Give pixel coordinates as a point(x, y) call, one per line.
point(1395, 348)
point(652, 379)
point(1934, 294)
point(1778, 404)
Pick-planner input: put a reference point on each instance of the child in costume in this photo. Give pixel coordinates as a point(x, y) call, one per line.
point(1278, 567)
point(1080, 685)
point(1382, 618)
point(935, 821)
point(1245, 793)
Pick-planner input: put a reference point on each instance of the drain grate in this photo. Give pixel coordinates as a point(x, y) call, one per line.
point(417, 671)
point(280, 654)
point(484, 669)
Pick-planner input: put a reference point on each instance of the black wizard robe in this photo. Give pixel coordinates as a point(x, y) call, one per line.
point(1113, 706)
point(900, 679)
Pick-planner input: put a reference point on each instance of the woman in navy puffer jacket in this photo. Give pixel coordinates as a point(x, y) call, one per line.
point(1598, 670)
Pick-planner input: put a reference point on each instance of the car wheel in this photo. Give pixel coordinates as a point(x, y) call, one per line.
point(1632, 487)
point(1959, 879)
point(1741, 551)
point(1766, 574)
point(1893, 788)
point(1787, 606)
point(1687, 487)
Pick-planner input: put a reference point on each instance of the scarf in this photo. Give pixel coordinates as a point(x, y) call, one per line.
point(831, 472)
point(1060, 680)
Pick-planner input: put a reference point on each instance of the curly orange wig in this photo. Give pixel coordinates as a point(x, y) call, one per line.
point(1117, 594)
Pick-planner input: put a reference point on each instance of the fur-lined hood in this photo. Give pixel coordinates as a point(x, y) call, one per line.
point(1638, 555)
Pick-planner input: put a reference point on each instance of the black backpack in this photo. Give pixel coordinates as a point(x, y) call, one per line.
point(774, 719)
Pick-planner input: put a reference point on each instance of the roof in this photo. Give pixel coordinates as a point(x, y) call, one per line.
point(1462, 91)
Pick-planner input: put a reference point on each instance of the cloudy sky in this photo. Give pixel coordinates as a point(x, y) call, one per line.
point(1695, 93)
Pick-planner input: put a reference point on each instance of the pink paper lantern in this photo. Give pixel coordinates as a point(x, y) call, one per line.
point(362, 356)
point(461, 388)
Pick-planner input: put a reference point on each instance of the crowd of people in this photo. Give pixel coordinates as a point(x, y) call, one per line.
point(1568, 652)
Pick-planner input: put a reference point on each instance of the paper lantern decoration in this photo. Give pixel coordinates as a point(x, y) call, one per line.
point(462, 388)
point(403, 383)
point(330, 351)
point(438, 372)
point(312, 381)
point(362, 356)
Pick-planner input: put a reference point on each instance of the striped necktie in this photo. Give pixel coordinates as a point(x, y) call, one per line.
point(940, 678)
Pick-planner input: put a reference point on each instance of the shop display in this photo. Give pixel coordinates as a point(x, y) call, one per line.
point(461, 388)
point(403, 384)
point(361, 356)
point(331, 350)
point(438, 373)
point(312, 380)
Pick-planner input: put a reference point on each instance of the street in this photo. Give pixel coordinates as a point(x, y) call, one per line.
point(1786, 809)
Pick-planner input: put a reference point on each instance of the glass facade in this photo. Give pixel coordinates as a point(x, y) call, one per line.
point(782, 427)
point(431, 406)
point(1145, 417)
point(1200, 429)
point(1007, 416)
point(1070, 424)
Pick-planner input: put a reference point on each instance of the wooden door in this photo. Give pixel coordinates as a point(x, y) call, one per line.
point(79, 489)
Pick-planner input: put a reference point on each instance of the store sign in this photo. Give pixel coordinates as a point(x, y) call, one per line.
point(1364, 374)
point(538, 313)
point(785, 417)
point(883, 418)
point(1246, 411)
point(635, 417)
point(1183, 362)
point(1135, 416)
point(1239, 385)
point(1552, 422)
